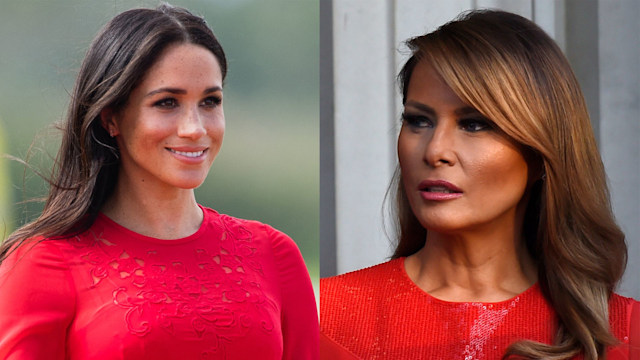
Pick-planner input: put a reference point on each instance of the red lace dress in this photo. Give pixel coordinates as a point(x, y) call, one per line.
point(235, 289)
point(379, 313)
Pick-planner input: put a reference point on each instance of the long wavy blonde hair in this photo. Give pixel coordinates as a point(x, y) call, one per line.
point(513, 73)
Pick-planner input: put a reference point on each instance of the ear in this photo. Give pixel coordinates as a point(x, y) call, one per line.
point(108, 121)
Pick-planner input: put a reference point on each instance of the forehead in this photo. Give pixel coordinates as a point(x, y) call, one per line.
point(426, 86)
point(186, 63)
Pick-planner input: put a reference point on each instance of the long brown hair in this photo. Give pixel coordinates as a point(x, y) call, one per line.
point(86, 167)
point(513, 73)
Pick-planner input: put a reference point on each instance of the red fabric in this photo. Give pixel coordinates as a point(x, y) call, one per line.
point(334, 351)
point(634, 331)
point(379, 313)
point(235, 289)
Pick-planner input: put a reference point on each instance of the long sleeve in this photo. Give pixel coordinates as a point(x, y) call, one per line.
point(36, 303)
point(331, 350)
point(300, 330)
point(634, 331)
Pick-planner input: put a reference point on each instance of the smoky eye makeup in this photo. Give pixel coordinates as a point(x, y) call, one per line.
point(475, 124)
point(416, 120)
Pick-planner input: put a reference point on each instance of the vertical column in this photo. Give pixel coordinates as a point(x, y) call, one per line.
point(363, 130)
point(328, 265)
point(418, 17)
point(520, 7)
point(619, 78)
point(581, 48)
point(550, 16)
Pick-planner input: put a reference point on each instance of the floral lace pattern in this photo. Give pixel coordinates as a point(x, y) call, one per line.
point(214, 294)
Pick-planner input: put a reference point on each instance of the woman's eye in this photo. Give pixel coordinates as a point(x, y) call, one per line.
point(168, 103)
point(212, 101)
point(474, 125)
point(417, 121)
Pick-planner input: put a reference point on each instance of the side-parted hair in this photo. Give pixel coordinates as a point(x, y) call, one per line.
point(513, 73)
point(86, 167)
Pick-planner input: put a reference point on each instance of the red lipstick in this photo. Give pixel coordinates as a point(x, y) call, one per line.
point(438, 190)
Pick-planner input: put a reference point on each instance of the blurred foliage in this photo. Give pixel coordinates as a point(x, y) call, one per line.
point(268, 167)
point(5, 192)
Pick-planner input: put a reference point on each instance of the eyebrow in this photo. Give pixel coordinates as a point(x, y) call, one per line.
point(465, 110)
point(421, 107)
point(178, 91)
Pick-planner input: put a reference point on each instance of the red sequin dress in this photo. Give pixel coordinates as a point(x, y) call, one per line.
point(235, 289)
point(379, 313)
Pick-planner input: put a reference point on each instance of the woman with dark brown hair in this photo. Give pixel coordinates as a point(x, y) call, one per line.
point(507, 245)
point(123, 263)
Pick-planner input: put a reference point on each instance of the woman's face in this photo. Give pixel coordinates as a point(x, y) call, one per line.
point(460, 173)
point(172, 127)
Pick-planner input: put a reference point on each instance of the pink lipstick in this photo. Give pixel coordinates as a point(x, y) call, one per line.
point(438, 190)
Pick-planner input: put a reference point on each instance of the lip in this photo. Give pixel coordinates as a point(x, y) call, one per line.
point(188, 154)
point(439, 196)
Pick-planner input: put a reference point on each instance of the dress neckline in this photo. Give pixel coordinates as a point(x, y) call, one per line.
point(127, 233)
point(529, 292)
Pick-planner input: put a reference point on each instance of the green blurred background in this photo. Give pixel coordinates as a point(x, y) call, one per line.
point(268, 167)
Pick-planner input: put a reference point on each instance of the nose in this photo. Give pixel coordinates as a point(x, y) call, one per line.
point(440, 146)
point(191, 124)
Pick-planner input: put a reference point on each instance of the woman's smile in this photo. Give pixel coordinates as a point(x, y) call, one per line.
point(188, 155)
point(173, 125)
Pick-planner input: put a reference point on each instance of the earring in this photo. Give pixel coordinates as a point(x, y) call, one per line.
point(111, 132)
point(543, 177)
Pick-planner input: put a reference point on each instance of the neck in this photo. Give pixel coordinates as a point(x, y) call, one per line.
point(485, 267)
point(159, 213)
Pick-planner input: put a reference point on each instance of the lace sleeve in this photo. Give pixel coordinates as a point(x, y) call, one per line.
point(36, 303)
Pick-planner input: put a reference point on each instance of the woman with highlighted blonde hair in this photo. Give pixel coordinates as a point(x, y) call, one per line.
point(507, 245)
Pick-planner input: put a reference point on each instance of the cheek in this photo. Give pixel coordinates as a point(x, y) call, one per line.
point(500, 167)
point(146, 125)
point(215, 124)
point(408, 153)
point(220, 128)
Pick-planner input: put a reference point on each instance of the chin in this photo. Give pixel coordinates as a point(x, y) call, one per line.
point(188, 184)
point(445, 224)
point(191, 186)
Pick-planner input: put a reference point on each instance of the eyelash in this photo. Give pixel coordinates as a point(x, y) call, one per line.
point(215, 99)
point(417, 121)
point(164, 103)
point(171, 103)
point(483, 124)
point(468, 124)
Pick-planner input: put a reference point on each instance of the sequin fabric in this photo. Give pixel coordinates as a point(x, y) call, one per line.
point(379, 313)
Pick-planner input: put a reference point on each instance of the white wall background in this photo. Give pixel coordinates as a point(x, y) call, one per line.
point(361, 53)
